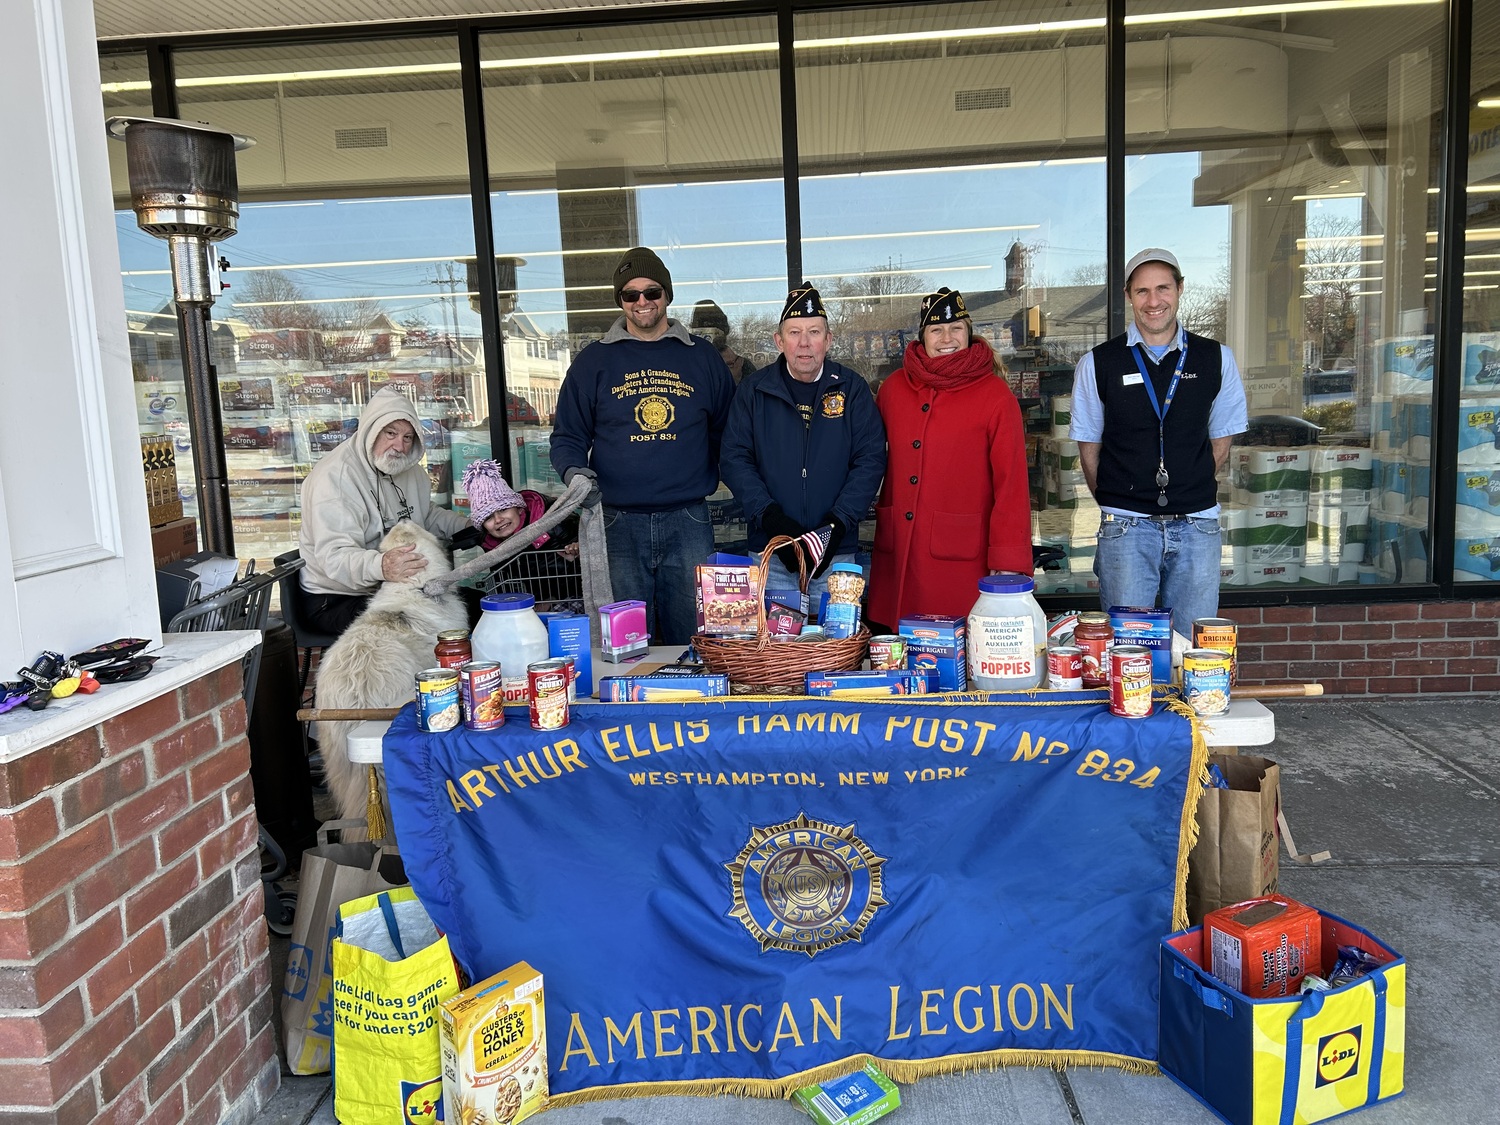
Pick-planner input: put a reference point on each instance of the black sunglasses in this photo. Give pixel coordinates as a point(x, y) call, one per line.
point(631, 296)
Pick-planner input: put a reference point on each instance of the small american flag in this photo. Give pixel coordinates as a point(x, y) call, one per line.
point(815, 545)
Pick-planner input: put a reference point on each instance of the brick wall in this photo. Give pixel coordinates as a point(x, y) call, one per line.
point(134, 978)
point(1381, 649)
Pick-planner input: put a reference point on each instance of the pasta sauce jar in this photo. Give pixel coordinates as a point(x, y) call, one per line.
point(1094, 635)
point(453, 649)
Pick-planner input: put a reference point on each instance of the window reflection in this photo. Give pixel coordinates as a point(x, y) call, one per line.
point(1291, 162)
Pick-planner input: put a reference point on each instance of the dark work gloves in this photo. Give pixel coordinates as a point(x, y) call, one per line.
point(593, 496)
point(833, 543)
point(774, 522)
point(465, 538)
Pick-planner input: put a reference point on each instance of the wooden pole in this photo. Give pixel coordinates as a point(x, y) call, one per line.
point(361, 714)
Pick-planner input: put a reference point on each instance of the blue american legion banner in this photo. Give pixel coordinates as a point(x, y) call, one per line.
point(742, 896)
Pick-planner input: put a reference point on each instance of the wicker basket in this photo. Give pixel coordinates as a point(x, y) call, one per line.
point(761, 665)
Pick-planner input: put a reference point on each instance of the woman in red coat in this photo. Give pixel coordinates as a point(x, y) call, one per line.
point(955, 505)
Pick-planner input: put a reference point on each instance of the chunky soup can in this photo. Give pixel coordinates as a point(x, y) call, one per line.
point(888, 654)
point(437, 699)
point(1205, 680)
point(547, 685)
point(1130, 681)
point(1065, 667)
point(1221, 635)
point(483, 693)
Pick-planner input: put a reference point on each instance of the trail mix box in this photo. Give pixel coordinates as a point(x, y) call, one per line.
point(494, 1043)
point(850, 1099)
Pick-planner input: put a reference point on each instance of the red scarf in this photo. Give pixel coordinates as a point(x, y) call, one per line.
point(949, 372)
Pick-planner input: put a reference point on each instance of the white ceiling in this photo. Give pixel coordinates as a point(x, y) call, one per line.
point(133, 19)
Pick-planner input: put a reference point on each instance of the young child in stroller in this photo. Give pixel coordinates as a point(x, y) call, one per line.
point(497, 512)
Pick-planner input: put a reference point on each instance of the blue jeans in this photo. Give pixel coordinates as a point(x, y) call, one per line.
point(651, 558)
point(1139, 557)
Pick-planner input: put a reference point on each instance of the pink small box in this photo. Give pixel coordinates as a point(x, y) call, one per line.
point(622, 630)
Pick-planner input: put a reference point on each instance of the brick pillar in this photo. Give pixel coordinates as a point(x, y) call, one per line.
point(134, 979)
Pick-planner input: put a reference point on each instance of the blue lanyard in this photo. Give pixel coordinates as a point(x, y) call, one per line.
point(1161, 408)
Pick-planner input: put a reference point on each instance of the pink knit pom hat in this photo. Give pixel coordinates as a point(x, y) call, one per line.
point(488, 492)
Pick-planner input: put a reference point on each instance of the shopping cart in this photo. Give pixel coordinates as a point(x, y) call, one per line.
point(553, 579)
point(246, 604)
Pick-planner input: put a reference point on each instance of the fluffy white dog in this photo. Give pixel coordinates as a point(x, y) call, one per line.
point(375, 662)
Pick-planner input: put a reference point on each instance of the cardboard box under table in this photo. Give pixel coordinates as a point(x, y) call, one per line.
point(1284, 1061)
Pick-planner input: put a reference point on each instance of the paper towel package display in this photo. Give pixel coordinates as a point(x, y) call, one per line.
point(1481, 361)
point(1418, 489)
point(1272, 535)
point(1478, 431)
point(1477, 559)
point(1265, 477)
point(1337, 533)
point(1406, 365)
point(1340, 474)
point(1062, 415)
point(1272, 574)
point(1231, 537)
point(1411, 421)
point(1236, 574)
point(1478, 503)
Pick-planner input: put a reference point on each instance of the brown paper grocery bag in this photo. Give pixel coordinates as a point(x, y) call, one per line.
point(332, 874)
point(1235, 857)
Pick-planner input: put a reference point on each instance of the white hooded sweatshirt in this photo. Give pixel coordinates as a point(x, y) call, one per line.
point(348, 505)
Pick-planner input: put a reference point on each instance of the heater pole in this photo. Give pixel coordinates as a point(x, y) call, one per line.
point(206, 425)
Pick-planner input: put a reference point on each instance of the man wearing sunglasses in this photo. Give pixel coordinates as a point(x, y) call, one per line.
point(641, 412)
point(1154, 414)
point(351, 498)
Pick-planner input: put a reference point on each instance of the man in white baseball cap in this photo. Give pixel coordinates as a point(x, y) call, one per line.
point(1154, 414)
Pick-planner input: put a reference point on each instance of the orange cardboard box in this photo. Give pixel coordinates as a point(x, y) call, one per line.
point(1263, 947)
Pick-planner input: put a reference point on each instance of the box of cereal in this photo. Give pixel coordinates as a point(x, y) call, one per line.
point(494, 1041)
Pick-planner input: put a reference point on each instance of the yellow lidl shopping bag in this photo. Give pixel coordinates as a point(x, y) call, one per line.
point(391, 974)
point(1284, 1061)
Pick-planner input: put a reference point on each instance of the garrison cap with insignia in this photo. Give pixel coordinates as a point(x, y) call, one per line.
point(803, 301)
point(943, 307)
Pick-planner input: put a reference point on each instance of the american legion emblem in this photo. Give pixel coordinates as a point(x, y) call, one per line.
point(833, 404)
point(654, 413)
point(805, 885)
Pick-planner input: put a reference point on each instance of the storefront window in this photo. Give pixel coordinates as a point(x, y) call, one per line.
point(1476, 554)
point(962, 145)
point(1290, 158)
point(602, 138)
point(348, 272)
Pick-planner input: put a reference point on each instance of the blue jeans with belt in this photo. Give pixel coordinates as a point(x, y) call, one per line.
point(651, 558)
point(1139, 557)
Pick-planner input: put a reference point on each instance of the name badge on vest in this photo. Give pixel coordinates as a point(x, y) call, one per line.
point(1131, 379)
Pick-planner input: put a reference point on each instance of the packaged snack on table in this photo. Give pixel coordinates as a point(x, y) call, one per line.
point(846, 586)
point(1263, 947)
point(851, 1099)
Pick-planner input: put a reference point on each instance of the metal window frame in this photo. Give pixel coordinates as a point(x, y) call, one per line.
point(1452, 183)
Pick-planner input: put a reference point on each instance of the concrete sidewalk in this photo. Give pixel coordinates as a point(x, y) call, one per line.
point(1406, 795)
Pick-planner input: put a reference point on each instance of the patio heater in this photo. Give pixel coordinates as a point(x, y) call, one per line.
point(183, 188)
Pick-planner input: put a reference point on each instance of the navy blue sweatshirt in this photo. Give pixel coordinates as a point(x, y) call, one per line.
point(646, 416)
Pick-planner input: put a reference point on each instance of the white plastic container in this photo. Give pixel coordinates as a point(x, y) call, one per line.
point(510, 632)
point(1007, 635)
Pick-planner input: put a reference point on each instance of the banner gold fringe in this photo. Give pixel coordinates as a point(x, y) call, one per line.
point(1188, 832)
point(898, 1070)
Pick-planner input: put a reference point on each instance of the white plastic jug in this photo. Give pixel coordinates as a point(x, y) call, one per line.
point(1007, 635)
point(511, 633)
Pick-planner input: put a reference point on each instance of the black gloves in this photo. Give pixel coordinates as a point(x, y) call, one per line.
point(836, 538)
point(594, 495)
point(467, 537)
point(774, 522)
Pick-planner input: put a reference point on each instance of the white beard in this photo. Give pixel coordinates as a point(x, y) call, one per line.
point(392, 461)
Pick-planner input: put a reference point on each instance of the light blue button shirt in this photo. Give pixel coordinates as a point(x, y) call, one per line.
point(1226, 417)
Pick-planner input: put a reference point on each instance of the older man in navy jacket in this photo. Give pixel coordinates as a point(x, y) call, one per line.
point(804, 447)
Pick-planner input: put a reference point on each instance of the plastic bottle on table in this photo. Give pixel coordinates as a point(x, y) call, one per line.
point(1007, 635)
point(509, 631)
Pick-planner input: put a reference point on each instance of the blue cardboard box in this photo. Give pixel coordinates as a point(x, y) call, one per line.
point(935, 643)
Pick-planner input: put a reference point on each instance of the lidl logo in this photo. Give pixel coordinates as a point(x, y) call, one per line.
point(1338, 1056)
point(422, 1102)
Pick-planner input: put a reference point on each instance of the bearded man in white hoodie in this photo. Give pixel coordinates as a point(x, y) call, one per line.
point(352, 497)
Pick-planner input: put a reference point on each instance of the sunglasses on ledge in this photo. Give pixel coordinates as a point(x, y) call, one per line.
point(631, 296)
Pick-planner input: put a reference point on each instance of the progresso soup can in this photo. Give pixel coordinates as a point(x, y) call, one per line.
point(1221, 635)
point(1205, 680)
point(437, 699)
point(1130, 681)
